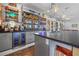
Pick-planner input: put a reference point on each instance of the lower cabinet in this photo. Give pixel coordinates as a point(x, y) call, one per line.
point(22, 38)
point(29, 37)
point(75, 51)
point(47, 47)
point(59, 49)
point(14, 39)
point(5, 41)
point(41, 47)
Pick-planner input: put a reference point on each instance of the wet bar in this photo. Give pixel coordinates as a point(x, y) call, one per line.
point(17, 26)
point(39, 29)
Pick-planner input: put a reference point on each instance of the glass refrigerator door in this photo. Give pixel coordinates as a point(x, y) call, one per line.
point(23, 38)
point(16, 38)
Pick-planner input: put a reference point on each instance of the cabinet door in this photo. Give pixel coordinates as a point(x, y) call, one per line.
point(59, 49)
point(75, 51)
point(16, 39)
point(29, 37)
point(41, 47)
point(5, 41)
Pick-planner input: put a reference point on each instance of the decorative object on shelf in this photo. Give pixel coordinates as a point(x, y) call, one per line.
point(33, 21)
point(12, 23)
point(1, 20)
point(12, 4)
point(11, 12)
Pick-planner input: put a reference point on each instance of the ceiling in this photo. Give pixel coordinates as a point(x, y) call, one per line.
point(69, 10)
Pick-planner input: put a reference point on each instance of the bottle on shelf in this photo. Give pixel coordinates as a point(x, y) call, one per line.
point(11, 29)
point(22, 27)
point(6, 28)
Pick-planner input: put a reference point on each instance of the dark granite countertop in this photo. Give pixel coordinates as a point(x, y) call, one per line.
point(66, 37)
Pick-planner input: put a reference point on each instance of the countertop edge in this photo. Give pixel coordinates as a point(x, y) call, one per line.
point(77, 46)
